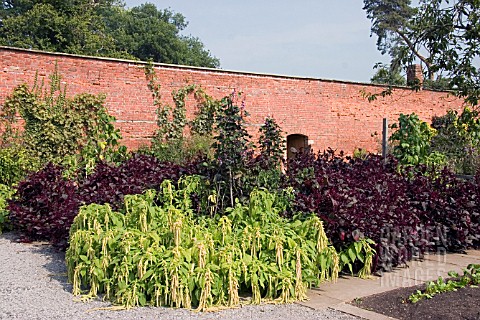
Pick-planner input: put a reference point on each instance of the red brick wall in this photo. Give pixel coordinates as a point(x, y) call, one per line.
point(331, 113)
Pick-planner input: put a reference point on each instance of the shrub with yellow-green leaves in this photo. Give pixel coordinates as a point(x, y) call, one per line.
point(6, 193)
point(157, 252)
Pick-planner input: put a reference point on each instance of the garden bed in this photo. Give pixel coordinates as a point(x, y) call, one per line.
point(454, 305)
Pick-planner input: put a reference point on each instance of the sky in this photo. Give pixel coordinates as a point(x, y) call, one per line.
point(306, 38)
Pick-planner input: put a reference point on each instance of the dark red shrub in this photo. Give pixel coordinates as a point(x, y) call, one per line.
point(405, 214)
point(450, 209)
point(44, 206)
point(109, 184)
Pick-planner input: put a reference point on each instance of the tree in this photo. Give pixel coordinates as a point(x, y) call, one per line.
point(101, 28)
point(64, 26)
point(443, 35)
point(388, 75)
point(148, 33)
point(392, 23)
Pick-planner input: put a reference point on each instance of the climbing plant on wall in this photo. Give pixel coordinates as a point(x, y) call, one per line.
point(176, 137)
point(56, 127)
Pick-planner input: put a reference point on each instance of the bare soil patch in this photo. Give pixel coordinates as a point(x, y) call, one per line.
point(455, 305)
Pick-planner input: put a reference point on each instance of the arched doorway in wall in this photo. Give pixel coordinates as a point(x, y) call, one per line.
point(296, 143)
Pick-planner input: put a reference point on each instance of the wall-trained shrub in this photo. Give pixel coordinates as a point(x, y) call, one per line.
point(155, 251)
point(76, 132)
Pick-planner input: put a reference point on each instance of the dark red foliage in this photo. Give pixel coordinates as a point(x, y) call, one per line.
point(46, 204)
point(109, 184)
point(405, 214)
point(450, 208)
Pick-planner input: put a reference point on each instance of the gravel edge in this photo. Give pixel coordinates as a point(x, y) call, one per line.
point(34, 286)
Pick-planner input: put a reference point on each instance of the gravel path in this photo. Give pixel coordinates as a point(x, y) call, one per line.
point(33, 285)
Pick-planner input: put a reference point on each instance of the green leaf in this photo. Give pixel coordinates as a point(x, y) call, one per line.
point(351, 254)
point(361, 257)
point(291, 243)
point(358, 247)
point(323, 262)
point(187, 254)
point(147, 274)
point(141, 299)
point(247, 259)
point(344, 258)
point(98, 273)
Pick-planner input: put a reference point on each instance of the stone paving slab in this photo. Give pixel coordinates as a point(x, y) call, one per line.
point(318, 302)
point(419, 273)
point(473, 253)
point(349, 288)
point(362, 313)
point(337, 295)
point(457, 259)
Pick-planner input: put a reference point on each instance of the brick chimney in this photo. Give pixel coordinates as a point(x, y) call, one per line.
point(415, 75)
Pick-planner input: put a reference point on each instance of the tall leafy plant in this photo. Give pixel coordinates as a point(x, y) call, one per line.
point(458, 138)
point(232, 144)
point(271, 143)
point(264, 169)
point(411, 142)
point(6, 193)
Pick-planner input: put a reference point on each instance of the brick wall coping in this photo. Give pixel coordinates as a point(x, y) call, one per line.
point(174, 66)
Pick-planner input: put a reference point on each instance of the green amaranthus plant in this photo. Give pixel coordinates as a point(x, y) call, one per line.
point(158, 253)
